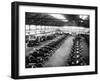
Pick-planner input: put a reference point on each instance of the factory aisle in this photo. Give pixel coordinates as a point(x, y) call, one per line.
point(61, 55)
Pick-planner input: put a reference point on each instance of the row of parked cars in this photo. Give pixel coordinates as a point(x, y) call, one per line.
point(76, 58)
point(39, 56)
point(87, 38)
point(39, 39)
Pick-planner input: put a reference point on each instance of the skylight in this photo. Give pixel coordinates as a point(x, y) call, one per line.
point(83, 17)
point(59, 16)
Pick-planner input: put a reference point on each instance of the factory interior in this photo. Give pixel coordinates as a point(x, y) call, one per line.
point(56, 40)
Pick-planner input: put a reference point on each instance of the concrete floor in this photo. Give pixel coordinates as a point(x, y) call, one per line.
point(61, 55)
